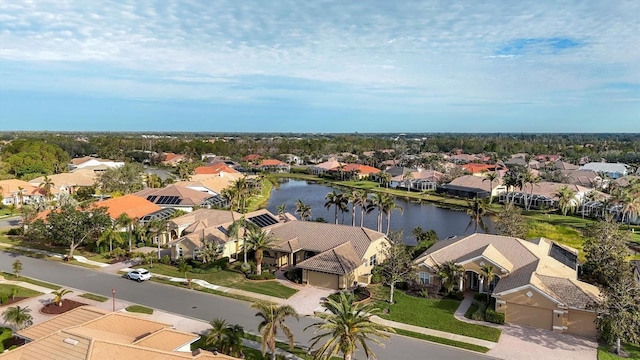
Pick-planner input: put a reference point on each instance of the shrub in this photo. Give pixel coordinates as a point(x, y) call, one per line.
point(376, 278)
point(456, 295)
point(263, 276)
point(294, 275)
point(15, 231)
point(222, 263)
point(494, 317)
point(140, 244)
point(166, 259)
point(4, 298)
point(478, 315)
point(480, 297)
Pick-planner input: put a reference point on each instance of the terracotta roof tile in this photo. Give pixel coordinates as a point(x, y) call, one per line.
point(132, 205)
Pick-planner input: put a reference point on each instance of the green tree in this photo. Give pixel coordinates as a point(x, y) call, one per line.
point(18, 316)
point(29, 158)
point(450, 274)
point(347, 326)
point(408, 178)
point(359, 198)
point(606, 252)
point(487, 272)
point(338, 201)
point(384, 178)
point(111, 234)
point(282, 209)
point(510, 222)
point(59, 295)
point(17, 268)
point(388, 206)
point(476, 211)
point(303, 209)
point(491, 177)
point(74, 227)
point(225, 338)
point(241, 227)
point(126, 179)
point(273, 319)
point(424, 239)
point(566, 199)
point(398, 264)
point(259, 241)
point(46, 185)
point(128, 223)
point(13, 292)
point(618, 312)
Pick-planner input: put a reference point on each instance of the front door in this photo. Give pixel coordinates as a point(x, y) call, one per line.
point(474, 281)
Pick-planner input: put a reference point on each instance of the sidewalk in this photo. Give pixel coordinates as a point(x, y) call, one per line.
point(78, 258)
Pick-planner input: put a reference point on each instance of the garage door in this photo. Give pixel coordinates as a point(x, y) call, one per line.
point(529, 316)
point(581, 323)
point(324, 280)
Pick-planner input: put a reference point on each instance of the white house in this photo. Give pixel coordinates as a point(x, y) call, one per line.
point(87, 161)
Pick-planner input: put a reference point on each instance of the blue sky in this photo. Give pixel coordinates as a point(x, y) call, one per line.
point(320, 66)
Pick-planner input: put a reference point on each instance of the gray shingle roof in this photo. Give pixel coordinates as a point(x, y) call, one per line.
point(516, 279)
point(567, 292)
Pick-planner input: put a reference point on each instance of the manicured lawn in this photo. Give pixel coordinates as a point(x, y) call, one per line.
point(139, 309)
point(230, 279)
point(260, 201)
point(9, 276)
point(39, 245)
point(605, 354)
point(444, 341)
point(434, 314)
point(94, 297)
point(562, 234)
point(22, 292)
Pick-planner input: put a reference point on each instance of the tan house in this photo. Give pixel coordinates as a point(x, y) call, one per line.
point(535, 284)
point(69, 182)
point(93, 334)
point(330, 256)
point(469, 186)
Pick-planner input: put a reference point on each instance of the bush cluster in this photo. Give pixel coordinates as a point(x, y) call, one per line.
point(479, 314)
point(263, 276)
point(494, 317)
point(456, 295)
point(15, 231)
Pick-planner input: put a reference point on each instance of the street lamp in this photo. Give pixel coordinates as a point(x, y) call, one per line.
point(113, 295)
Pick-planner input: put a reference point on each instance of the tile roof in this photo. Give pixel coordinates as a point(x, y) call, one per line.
point(210, 217)
point(272, 162)
point(215, 169)
point(216, 183)
point(475, 182)
point(189, 197)
point(327, 165)
point(340, 260)
point(251, 157)
point(360, 168)
point(12, 186)
point(550, 189)
point(167, 340)
point(568, 292)
point(81, 177)
point(134, 206)
point(71, 318)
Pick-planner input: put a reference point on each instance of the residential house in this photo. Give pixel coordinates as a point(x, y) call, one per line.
point(215, 169)
point(627, 180)
point(535, 285)
point(329, 255)
point(251, 158)
point(93, 334)
point(585, 178)
point(462, 158)
point(548, 157)
point(480, 169)
point(293, 159)
point(611, 170)
point(89, 161)
point(322, 168)
point(358, 171)
point(18, 192)
point(205, 225)
point(469, 186)
point(69, 182)
point(273, 165)
point(420, 180)
point(180, 198)
point(543, 195)
point(563, 165)
point(171, 159)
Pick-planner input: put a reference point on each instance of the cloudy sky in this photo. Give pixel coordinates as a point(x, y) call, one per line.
point(320, 66)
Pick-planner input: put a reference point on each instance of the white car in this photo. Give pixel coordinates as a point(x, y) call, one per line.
point(139, 275)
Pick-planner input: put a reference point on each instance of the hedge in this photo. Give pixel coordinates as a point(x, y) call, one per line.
point(494, 316)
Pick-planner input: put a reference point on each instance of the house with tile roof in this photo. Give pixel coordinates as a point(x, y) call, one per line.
point(180, 198)
point(358, 171)
point(215, 169)
point(480, 169)
point(172, 159)
point(323, 167)
point(90, 161)
point(469, 186)
point(536, 282)
point(543, 195)
point(18, 192)
point(133, 206)
point(93, 334)
point(69, 182)
point(421, 180)
point(274, 165)
point(328, 255)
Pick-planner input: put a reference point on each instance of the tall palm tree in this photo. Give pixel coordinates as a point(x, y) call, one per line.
point(491, 177)
point(631, 208)
point(450, 274)
point(377, 202)
point(240, 227)
point(225, 338)
point(125, 221)
point(359, 198)
point(154, 181)
point(273, 319)
point(476, 211)
point(46, 185)
point(334, 199)
point(259, 241)
point(533, 180)
point(388, 206)
point(242, 188)
point(408, 177)
point(566, 198)
point(304, 210)
point(347, 326)
point(488, 273)
point(154, 229)
point(282, 209)
point(18, 316)
point(385, 178)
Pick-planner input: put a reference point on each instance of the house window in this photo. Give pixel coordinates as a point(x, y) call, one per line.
point(179, 251)
point(195, 253)
point(373, 261)
point(425, 278)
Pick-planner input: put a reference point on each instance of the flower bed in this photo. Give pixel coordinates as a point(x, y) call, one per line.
point(55, 309)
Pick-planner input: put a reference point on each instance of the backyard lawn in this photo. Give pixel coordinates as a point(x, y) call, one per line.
point(434, 314)
point(230, 279)
point(605, 354)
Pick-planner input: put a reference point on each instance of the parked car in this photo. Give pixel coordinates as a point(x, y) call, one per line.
point(139, 275)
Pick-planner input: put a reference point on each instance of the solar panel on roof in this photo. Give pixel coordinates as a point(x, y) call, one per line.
point(161, 200)
point(263, 220)
point(152, 198)
point(177, 200)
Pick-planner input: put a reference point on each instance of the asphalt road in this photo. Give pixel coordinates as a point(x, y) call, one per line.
point(206, 307)
point(10, 221)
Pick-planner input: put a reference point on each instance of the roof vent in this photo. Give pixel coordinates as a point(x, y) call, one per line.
point(71, 341)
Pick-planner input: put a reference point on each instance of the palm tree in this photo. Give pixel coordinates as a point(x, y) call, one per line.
point(377, 202)
point(242, 189)
point(282, 209)
point(225, 337)
point(238, 227)
point(408, 177)
point(450, 274)
point(154, 181)
point(303, 209)
point(111, 234)
point(346, 326)
point(491, 176)
point(333, 199)
point(388, 206)
point(259, 241)
point(273, 318)
point(18, 316)
point(631, 208)
point(209, 251)
point(385, 178)
point(154, 229)
point(59, 295)
point(476, 211)
point(487, 272)
point(533, 180)
point(46, 186)
point(566, 199)
point(359, 198)
point(125, 221)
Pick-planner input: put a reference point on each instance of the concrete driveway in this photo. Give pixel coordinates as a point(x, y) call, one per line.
point(523, 343)
point(307, 299)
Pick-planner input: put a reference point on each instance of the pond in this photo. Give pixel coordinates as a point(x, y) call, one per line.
point(445, 222)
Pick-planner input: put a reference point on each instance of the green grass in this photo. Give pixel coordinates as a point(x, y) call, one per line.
point(562, 234)
point(605, 354)
point(139, 309)
point(9, 276)
point(436, 314)
point(228, 278)
point(5, 333)
point(40, 245)
point(473, 308)
point(260, 201)
point(22, 292)
point(7, 211)
point(94, 297)
point(444, 341)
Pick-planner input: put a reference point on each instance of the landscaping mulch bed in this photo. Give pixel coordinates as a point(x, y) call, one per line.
point(13, 301)
point(13, 341)
point(54, 309)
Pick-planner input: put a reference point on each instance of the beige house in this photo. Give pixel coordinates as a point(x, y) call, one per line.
point(93, 334)
point(329, 255)
point(535, 284)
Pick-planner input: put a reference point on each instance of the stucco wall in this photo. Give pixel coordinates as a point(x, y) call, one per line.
point(536, 299)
